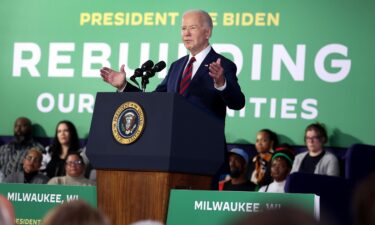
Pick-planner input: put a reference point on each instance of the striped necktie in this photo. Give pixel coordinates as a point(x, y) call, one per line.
point(186, 77)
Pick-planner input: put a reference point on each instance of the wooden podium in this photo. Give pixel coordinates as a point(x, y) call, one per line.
point(181, 147)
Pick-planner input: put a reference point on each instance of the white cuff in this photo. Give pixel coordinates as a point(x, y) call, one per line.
point(222, 87)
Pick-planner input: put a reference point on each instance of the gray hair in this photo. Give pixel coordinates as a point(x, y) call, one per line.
point(207, 20)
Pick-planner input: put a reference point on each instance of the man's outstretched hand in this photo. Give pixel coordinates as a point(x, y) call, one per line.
point(114, 78)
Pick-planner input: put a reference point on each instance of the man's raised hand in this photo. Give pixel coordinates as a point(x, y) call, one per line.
point(114, 78)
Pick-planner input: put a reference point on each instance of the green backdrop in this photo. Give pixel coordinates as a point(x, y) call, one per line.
point(298, 61)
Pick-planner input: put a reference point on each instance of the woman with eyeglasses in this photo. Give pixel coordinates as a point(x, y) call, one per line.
point(75, 170)
point(316, 160)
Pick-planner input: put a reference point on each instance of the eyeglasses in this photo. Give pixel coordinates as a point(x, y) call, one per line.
point(313, 138)
point(32, 159)
point(74, 163)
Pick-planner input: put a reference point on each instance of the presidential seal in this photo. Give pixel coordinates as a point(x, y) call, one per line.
point(128, 123)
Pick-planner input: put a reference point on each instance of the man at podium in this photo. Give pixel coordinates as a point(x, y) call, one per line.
point(204, 77)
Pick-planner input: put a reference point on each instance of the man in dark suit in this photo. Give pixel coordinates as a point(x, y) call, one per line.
point(213, 85)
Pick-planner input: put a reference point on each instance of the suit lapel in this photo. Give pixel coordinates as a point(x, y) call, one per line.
point(203, 68)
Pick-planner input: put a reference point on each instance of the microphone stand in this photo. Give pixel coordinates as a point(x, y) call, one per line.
point(145, 78)
point(147, 71)
point(144, 83)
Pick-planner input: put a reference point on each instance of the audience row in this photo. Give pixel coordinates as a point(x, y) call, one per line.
point(24, 160)
point(270, 167)
point(266, 171)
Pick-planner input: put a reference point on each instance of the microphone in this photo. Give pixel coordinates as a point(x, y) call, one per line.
point(139, 71)
point(147, 65)
point(157, 68)
point(146, 71)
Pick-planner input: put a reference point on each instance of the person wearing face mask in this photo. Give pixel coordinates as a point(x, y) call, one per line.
point(13, 153)
point(30, 173)
point(238, 167)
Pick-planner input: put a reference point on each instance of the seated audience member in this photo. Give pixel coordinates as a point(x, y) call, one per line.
point(13, 153)
point(7, 216)
point(75, 169)
point(30, 173)
point(65, 141)
point(316, 160)
point(238, 167)
point(266, 141)
point(1, 176)
point(364, 201)
point(75, 212)
point(281, 165)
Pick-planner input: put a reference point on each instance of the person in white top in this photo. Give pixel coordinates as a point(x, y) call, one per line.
point(75, 169)
point(281, 166)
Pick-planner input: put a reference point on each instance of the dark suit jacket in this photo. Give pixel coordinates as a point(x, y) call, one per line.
point(201, 91)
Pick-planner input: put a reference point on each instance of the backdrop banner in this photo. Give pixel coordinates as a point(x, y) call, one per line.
point(298, 61)
point(32, 201)
point(220, 207)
